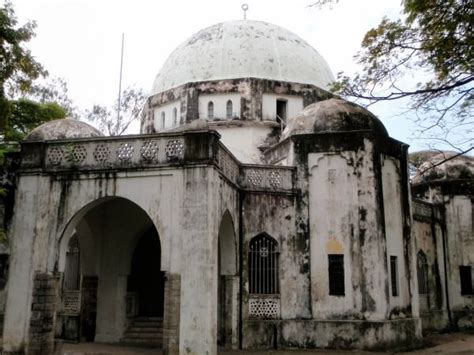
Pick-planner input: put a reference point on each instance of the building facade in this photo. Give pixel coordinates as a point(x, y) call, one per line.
point(254, 210)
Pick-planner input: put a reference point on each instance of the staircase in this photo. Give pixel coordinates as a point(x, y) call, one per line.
point(145, 331)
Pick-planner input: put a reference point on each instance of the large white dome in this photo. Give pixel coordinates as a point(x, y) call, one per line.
point(243, 49)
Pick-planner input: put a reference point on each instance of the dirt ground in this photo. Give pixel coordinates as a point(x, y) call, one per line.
point(449, 343)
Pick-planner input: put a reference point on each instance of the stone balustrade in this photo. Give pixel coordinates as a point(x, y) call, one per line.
point(128, 152)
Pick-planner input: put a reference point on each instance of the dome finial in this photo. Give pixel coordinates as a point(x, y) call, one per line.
point(245, 7)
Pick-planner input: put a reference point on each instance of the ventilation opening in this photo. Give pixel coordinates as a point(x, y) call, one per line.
point(281, 110)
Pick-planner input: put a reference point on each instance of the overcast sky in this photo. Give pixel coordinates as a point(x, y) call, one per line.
point(79, 40)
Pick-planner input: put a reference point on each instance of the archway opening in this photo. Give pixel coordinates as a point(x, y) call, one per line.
point(146, 279)
point(227, 286)
point(110, 260)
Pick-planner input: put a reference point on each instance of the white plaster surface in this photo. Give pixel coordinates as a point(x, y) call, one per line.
point(269, 104)
point(244, 141)
point(242, 49)
point(168, 110)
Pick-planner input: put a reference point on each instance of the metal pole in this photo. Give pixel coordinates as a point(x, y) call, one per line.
point(120, 80)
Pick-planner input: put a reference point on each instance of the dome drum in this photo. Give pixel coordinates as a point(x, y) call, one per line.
point(250, 98)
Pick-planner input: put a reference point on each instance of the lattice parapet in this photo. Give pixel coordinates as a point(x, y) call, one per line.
point(125, 152)
point(101, 153)
point(264, 306)
point(174, 149)
point(267, 178)
point(228, 164)
point(77, 154)
point(149, 151)
point(55, 155)
point(71, 303)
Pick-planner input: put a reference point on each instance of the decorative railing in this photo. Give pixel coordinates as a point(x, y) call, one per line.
point(257, 177)
point(71, 302)
point(228, 164)
point(109, 153)
point(151, 151)
point(264, 306)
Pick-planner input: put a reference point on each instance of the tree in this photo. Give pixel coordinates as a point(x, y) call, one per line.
point(18, 68)
point(27, 114)
point(433, 43)
point(131, 104)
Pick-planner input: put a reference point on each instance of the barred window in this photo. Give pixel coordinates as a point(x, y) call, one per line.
point(263, 265)
point(71, 272)
point(336, 274)
point(465, 273)
point(394, 274)
point(422, 271)
point(210, 109)
point(229, 109)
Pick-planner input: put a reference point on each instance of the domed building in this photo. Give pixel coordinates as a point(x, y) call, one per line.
point(255, 210)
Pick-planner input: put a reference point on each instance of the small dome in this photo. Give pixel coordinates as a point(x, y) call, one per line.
point(243, 49)
point(333, 115)
point(442, 166)
point(65, 128)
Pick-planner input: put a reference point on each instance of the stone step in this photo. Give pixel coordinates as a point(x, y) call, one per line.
point(157, 343)
point(142, 335)
point(147, 325)
point(147, 329)
point(148, 319)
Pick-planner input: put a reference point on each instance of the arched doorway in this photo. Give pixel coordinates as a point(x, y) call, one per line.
point(119, 249)
point(227, 286)
point(146, 279)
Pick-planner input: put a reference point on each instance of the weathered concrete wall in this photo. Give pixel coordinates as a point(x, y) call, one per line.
point(399, 305)
point(454, 198)
point(428, 223)
point(343, 220)
point(460, 243)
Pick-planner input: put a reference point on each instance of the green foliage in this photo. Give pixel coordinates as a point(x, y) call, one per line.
point(18, 72)
point(18, 67)
point(433, 43)
point(27, 114)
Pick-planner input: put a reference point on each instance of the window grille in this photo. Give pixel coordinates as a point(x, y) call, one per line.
point(71, 271)
point(394, 274)
point(210, 109)
point(465, 273)
point(422, 271)
point(263, 265)
point(175, 117)
point(336, 274)
point(229, 109)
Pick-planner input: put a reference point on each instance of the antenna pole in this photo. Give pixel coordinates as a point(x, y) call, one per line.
point(120, 80)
